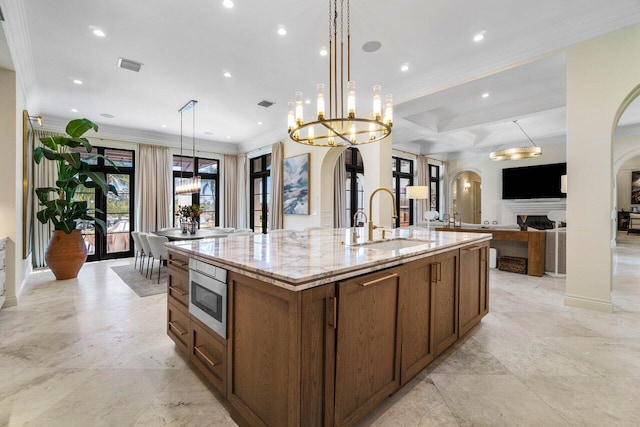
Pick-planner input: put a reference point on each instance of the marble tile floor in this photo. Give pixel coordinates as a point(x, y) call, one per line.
point(90, 352)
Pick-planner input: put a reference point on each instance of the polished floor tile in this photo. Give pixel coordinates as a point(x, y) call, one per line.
point(91, 352)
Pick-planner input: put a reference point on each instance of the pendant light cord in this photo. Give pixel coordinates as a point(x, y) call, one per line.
point(525, 134)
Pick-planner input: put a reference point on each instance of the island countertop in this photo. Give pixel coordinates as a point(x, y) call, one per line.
point(304, 259)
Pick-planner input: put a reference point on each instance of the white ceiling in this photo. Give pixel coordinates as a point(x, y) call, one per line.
point(186, 46)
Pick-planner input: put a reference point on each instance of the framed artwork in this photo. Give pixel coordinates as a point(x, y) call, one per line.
point(635, 187)
point(296, 185)
point(27, 183)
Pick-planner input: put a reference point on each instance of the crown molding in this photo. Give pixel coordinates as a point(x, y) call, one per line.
point(19, 42)
point(58, 124)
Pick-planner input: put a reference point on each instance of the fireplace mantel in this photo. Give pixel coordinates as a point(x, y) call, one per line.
point(534, 206)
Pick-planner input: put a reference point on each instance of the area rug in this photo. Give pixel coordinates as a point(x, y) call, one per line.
point(139, 284)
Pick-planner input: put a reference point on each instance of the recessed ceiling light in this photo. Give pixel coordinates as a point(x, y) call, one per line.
point(405, 67)
point(228, 137)
point(228, 4)
point(282, 30)
point(259, 123)
point(485, 95)
point(323, 51)
point(98, 32)
point(164, 126)
point(307, 101)
point(479, 37)
point(78, 82)
point(73, 110)
point(227, 74)
point(107, 115)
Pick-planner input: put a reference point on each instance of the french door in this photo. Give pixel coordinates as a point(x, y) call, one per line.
point(116, 211)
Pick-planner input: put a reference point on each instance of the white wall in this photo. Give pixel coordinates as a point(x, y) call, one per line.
point(11, 106)
point(490, 172)
point(603, 75)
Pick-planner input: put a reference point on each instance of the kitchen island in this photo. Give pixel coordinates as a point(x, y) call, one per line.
point(320, 326)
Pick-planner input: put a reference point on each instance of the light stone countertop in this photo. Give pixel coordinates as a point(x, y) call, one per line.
point(304, 259)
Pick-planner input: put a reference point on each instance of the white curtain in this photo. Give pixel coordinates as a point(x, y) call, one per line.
point(339, 193)
point(423, 179)
point(44, 175)
point(276, 217)
point(154, 197)
point(243, 192)
point(231, 193)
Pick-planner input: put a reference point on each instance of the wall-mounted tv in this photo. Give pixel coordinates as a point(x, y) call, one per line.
point(533, 182)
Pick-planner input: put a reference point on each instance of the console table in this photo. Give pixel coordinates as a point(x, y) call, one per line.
point(536, 244)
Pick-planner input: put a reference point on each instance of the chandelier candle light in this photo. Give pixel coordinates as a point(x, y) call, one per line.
point(188, 185)
point(333, 128)
point(518, 152)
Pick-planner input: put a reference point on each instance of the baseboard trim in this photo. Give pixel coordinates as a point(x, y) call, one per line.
point(588, 303)
point(8, 302)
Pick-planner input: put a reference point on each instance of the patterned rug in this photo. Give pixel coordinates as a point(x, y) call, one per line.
point(141, 285)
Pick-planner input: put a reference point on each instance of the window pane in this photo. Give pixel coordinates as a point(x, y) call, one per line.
point(119, 157)
point(208, 203)
point(434, 171)
point(256, 165)
point(87, 228)
point(183, 163)
point(207, 166)
point(359, 161)
point(405, 166)
point(87, 157)
point(268, 161)
point(360, 182)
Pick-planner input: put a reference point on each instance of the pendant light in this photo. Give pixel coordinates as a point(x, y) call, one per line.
point(193, 184)
point(517, 153)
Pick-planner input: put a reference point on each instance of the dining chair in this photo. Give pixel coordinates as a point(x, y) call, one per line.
point(138, 249)
point(147, 249)
point(159, 250)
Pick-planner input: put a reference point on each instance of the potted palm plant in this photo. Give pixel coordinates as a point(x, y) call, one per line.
point(66, 252)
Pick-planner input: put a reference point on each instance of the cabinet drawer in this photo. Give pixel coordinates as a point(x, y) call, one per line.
point(178, 327)
point(209, 355)
point(179, 261)
point(178, 287)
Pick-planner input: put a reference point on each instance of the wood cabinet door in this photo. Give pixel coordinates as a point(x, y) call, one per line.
point(367, 347)
point(473, 285)
point(417, 319)
point(444, 297)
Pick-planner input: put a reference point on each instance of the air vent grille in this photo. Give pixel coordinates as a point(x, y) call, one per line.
point(128, 64)
point(265, 103)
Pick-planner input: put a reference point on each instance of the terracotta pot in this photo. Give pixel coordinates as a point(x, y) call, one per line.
point(66, 254)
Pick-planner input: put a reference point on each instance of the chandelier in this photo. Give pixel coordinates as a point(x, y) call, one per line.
point(332, 128)
point(188, 185)
point(517, 153)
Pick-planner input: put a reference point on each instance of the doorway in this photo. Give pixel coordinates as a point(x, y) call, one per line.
point(466, 197)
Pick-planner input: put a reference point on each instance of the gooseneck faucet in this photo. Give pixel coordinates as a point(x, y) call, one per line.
point(395, 213)
point(354, 237)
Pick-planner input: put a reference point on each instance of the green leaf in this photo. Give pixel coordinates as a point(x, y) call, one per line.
point(77, 128)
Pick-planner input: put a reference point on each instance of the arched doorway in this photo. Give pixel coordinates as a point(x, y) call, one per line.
point(466, 197)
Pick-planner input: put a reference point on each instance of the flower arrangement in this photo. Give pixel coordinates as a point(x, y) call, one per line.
point(190, 212)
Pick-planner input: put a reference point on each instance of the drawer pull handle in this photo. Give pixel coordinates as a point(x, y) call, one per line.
point(178, 330)
point(471, 248)
point(382, 279)
point(204, 356)
point(178, 263)
point(178, 291)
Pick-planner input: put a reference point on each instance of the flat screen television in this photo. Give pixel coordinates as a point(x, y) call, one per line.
point(533, 182)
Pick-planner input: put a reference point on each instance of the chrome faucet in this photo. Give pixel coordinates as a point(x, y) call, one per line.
point(395, 213)
point(354, 235)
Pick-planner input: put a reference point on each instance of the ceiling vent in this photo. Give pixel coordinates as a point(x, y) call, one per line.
point(128, 64)
point(265, 103)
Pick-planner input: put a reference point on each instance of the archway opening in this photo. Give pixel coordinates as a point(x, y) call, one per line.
point(466, 197)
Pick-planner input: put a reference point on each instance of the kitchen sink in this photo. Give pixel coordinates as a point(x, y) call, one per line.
point(393, 244)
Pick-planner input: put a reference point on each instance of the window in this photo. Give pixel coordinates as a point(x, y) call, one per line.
point(434, 188)
point(115, 211)
point(402, 177)
point(354, 184)
point(207, 198)
point(260, 188)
